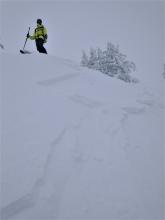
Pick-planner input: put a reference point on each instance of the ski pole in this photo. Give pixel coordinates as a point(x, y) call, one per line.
point(26, 39)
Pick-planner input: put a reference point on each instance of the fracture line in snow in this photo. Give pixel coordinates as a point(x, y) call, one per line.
point(54, 81)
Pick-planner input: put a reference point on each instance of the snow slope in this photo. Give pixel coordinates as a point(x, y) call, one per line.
point(77, 144)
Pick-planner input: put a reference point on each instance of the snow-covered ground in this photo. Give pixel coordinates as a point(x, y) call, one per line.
point(77, 144)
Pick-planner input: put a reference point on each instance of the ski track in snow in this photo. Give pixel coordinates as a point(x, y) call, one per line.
point(41, 193)
point(29, 200)
point(49, 188)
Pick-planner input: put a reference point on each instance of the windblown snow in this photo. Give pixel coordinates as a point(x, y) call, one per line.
point(77, 144)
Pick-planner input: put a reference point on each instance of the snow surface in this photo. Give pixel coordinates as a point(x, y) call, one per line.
point(77, 144)
point(1, 46)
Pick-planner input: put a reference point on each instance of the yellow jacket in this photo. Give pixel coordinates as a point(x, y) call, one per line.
point(39, 32)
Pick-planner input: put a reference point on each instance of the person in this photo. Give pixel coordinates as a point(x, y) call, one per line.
point(40, 36)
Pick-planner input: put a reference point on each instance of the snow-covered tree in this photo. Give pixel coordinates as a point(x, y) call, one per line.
point(1, 46)
point(92, 59)
point(84, 59)
point(111, 62)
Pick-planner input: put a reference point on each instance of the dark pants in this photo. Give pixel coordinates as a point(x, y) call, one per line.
point(39, 45)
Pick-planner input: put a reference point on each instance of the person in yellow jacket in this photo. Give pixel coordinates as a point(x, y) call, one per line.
point(40, 36)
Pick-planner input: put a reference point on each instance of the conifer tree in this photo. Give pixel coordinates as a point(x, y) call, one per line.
point(111, 62)
point(84, 59)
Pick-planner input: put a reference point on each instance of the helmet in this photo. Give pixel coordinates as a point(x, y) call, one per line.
point(39, 21)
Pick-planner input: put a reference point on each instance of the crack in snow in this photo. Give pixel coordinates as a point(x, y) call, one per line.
point(56, 80)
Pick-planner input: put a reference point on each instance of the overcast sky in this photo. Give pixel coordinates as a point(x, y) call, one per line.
point(136, 26)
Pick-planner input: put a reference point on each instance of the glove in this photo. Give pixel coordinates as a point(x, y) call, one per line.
point(28, 35)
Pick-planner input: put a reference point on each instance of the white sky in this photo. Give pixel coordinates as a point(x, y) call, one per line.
point(136, 26)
